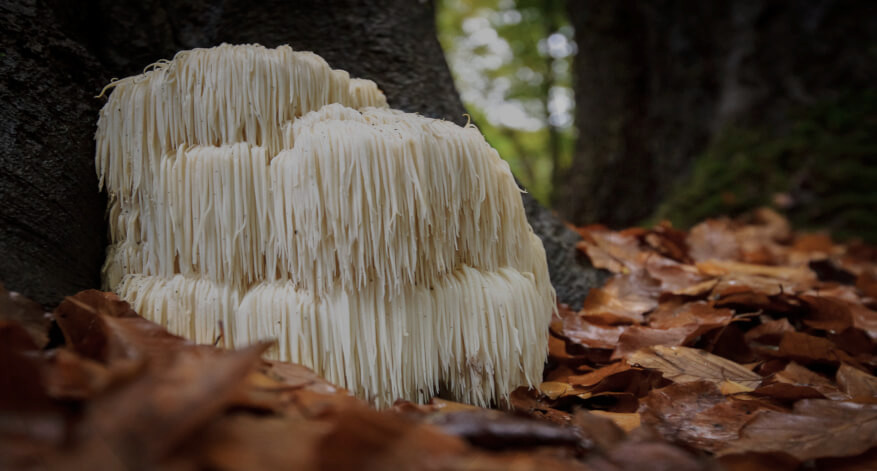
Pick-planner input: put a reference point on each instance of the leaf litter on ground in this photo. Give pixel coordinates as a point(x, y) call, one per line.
point(738, 343)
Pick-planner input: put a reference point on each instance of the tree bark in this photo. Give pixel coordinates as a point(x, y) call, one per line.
point(61, 53)
point(657, 80)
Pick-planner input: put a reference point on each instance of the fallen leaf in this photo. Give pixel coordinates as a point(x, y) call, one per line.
point(626, 421)
point(15, 308)
point(856, 383)
point(555, 389)
point(618, 252)
point(496, 430)
point(683, 365)
point(816, 428)
point(713, 239)
point(698, 313)
point(696, 413)
point(867, 283)
point(590, 334)
point(827, 313)
point(636, 337)
point(807, 349)
point(798, 275)
point(769, 332)
point(143, 421)
point(625, 298)
point(796, 382)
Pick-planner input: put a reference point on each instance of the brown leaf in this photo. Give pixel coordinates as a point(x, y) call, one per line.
point(867, 283)
point(598, 429)
point(555, 389)
point(769, 332)
point(683, 365)
point(656, 456)
point(827, 313)
point(100, 326)
point(594, 377)
point(625, 421)
point(856, 383)
point(816, 428)
point(530, 402)
point(668, 242)
point(497, 430)
point(27, 411)
point(625, 298)
point(672, 275)
point(637, 337)
point(807, 349)
point(696, 413)
point(713, 239)
point(618, 252)
point(796, 382)
point(617, 377)
point(698, 313)
point(15, 308)
point(591, 334)
point(797, 275)
point(147, 418)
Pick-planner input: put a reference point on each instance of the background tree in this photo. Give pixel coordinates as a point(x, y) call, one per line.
point(717, 107)
point(512, 63)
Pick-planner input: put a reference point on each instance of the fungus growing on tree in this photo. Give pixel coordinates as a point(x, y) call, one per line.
point(261, 190)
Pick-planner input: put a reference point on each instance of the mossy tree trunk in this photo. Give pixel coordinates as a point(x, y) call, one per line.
point(659, 81)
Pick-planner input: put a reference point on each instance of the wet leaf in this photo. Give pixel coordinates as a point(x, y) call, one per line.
point(696, 413)
point(796, 382)
point(816, 428)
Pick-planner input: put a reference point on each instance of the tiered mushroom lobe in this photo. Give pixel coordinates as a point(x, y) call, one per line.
point(261, 191)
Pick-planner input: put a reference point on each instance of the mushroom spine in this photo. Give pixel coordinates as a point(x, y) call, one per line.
point(262, 190)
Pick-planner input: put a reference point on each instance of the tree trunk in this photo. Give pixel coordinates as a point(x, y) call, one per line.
point(61, 53)
point(657, 80)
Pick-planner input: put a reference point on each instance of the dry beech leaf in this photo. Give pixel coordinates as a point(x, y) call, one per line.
point(626, 421)
point(827, 313)
point(808, 349)
point(683, 365)
point(696, 413)
point(556, 389)
point(816, 428)
point(591, 334)
point(770, 332)
point(15, 308)
point(867, 283)
point(797, 382)
point(624, 299)
point(618, 252)
point(800, 274)
point(638, 337)
point(856, 383)
point(713, 239)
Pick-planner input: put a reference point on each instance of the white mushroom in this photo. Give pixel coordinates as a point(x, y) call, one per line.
point(387, 251)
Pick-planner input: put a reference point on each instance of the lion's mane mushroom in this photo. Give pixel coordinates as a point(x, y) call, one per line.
point(260, 189)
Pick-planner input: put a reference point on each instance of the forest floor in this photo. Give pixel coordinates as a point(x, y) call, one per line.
point(738, 344)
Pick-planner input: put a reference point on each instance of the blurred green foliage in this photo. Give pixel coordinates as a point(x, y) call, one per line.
point(821, 172)
point(512, 62)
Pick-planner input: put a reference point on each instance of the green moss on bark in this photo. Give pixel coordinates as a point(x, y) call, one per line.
point(821, 171)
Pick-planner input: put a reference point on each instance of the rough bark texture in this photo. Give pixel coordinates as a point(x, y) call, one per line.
point(58, 54)
point(657, 80)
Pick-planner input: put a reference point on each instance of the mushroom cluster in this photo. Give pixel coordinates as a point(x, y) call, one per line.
point(257, 193)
